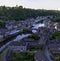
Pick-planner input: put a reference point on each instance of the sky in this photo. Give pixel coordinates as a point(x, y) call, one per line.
point(35, 4)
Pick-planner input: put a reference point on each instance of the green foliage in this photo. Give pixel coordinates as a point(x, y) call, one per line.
point(57, 19)
point(23, 56)
point(2, 24)
point(20, 13)
point(16, 54)
point(55, 35)
point(57, 57)
point(34, 36)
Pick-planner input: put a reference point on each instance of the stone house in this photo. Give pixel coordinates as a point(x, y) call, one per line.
point(54, 48)
point(17, 46)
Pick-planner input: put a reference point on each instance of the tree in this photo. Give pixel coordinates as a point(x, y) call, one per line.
point(20, 13)
point(57, 19)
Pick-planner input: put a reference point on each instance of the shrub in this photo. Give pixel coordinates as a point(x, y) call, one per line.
point(34, 36)
point(55, 35)
point(57, 19)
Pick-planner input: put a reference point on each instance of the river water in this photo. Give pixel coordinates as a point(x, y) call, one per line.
point(36, 26)
point(19, 37)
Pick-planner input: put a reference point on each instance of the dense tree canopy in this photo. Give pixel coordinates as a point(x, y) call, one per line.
point(2, 24)
point(20, 13)
point(55, 35)
point(57, 19)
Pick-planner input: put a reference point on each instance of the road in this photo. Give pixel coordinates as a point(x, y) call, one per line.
point(19, 37)
point(48, 54)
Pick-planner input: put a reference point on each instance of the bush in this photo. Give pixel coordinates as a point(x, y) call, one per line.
point(57, 19)
point(2, 24)
point(34, 36)
point(23, 56)
point(57, 57)
point(24, 31)
point(55, 35)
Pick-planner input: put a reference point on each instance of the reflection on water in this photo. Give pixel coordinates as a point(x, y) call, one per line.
point(14, 31)
point(36, 26)
point(19, 37)
point(34, 31)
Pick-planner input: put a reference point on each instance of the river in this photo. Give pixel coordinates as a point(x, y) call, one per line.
point(19, 37)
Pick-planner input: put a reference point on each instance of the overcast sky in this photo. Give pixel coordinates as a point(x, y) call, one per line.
point(37, 4)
